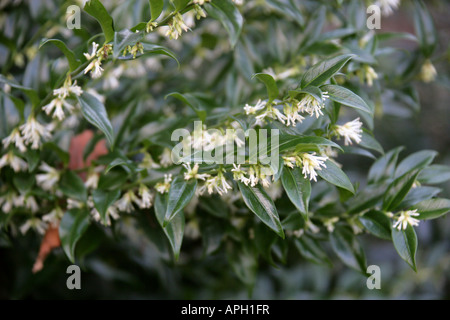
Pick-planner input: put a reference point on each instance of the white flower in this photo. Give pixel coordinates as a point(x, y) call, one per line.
point(199, 12)
point(111, 212)
point(146, 197)
point(217, 183)
point(329, 223)
point(74, 204)
point(193, 173)
point(126, 202)
point(34, 223)
point(388, 6)
point(289, 161)
point(163, 187)
point(94, 51)
point(428, 72)
point(16, 139)
point(68, 89)
point(252, 110)
point(148, 162)
point(57, 104)
point(239, 174)
point(31, 204)
point(32, 132)
point(272, 113)
point(370, 75)
point(311, 105)
point(292, 115)
point(201, 2)
point(350, 131)
point(176, 27)
point(92, 180)
point(53, 217)
point(406, 219)
point(238, 2)
point(165, 159)
point(311, 163)
point(8, 202)
point(47, 180)
point(16, 163)
point(96, 65)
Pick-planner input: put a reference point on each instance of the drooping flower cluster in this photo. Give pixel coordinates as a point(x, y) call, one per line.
point(252, 175)
point(59, 104)
point(309, 162)
point(176, 27)
point(96, 57)
point(32, 132)
point(351, 131)
point(405, 218)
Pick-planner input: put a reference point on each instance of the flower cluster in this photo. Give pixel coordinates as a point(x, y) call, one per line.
point(309, 162)
point(59, 103)
point(96, 57)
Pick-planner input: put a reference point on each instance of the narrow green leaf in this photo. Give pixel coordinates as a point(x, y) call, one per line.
point(156, 8)
point(180, 4)
point(432, 208)
point(96, 9)
point(103, 199)
point(180, 193)
point(71, 228)
point(311, 250)
point(23, 181)
point(369, 142)
point(311, 90)
point(269, 82)
point(191, 101)
point(304, 143)
point(31, 93)
point(348, 249)
point(125, 38)
point(264, 240)
point(377, 223)
point(230, 17)
point(174, 230)
point(397, 190)
point(74, 63)
point(405, 242)
point(346, 97)
point(324, 70)
point(95, 113)
point(72, 186)
point(418, 160)
point(334, 175)
point(434, 174)
point(425, 29)
point(384, 167)
point(298, 189)
point(259, 202)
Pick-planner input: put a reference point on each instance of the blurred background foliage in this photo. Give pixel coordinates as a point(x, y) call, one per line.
point(133, 262)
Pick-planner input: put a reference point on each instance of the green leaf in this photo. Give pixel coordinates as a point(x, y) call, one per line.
point(114, 179)
point(244, 263)
point(397, 190)
point(311, 250)
point(288, 8)
point(71, 228)
point(180, 4)
point(334, 175)
point(103, 199)
point(348, 249)
point(191, 101)
point(31, 93)
point(324, 70)
point(126, 164)
point(271, 86)
point(369, 142)
point(174, 230)
point(418, 160)
point(298, 189)
point(180, 193)
point(425, 29)
point(74, 63)
point(151, 49)
point(432, 208)
point(304, 143)
point(434, 174)
point(264, 240)
point(95, 113)
point(405, 242)
point(33, 159)
point(72, 186)
point(259, 202)
point(125, 38)
point(346, 97)
point(377, 223)
point(311, 90)
point(96, 9)
point(384, 167)
point(230, 17)
point(156, 8)
point(23, 181)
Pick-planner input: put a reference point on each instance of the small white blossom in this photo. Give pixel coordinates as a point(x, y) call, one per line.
point(309, 104)
point(388, 6)
point(193, 173)
point(239, 174)
point(53, 217)
point(34, 223)
point(165, 159)
point(32, 132)
point(126, 202)
point(350, 131)
point(406, 218)
point(292, 115)
point(176, 27)
point(311, 163)
point(201, 2)
point(94, 52)
point(163, 187)
point(16, 163)
point(8, 202)
point(97, 69)
point(329, 223)
point(68, 89)
point(146, 197)
point(368, 74)
point(74, 204)
point(252, 110)
point(92, 180)
point(428, 72)
point(217, 183)
point(49, 179)
point(16, 139)
point(57, 106)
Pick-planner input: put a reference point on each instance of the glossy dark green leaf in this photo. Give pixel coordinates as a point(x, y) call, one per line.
point(397, 190)
point(419, 194)
point(191, 101)
point(230, 17)
point(31, 93)
point(72, 186)
point(271, 86)
point(156, 8)
point(180, 194)
point(310, 90)
point(432, 208)
point(334, 175)
point(95, 113)
point(71, 228)
point(298, 189)
point(384, 167)
point(103, 199)
point(324, 70)
point(180, 4)
point(289, 8)
point(418, 160)
point(405, 242)
point(311, 250)
point(114, 179)
point(96, 9)
point(74, 63)
point(369, 142)
point(259, 202)
point(377, 223)
point(425, 29)
point(125, 38)
point(174, 230)
point(264, 240)
point(348, 249)
point(434, 174)
point(346, 97)
point(23, 182)
point(33, 159)
point(304, 143)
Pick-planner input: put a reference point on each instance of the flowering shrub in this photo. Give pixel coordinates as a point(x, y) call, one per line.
point(88, 117)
